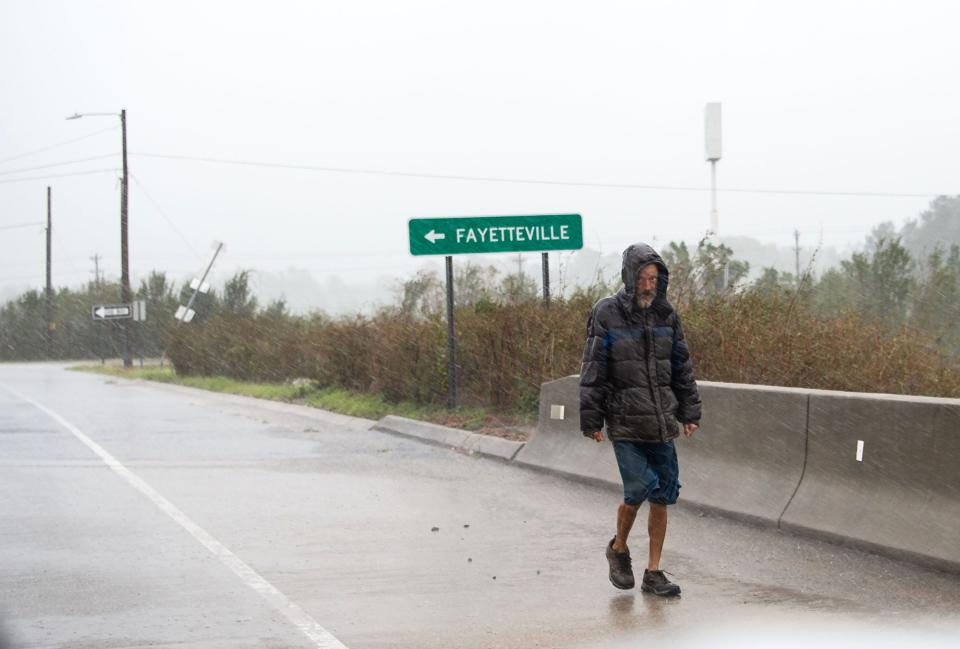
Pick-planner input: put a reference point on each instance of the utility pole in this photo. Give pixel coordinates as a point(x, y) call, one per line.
point(125, 293)
point(796, 251)
point(96, 270)
point(49, 296)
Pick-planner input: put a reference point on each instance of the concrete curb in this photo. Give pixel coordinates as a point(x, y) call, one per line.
point(471, 443)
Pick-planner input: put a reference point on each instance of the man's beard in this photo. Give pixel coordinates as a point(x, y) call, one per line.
point(644, 300)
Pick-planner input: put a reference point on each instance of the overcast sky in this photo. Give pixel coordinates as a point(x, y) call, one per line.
point(817, 96)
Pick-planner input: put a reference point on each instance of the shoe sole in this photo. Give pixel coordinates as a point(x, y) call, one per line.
point(671, 593)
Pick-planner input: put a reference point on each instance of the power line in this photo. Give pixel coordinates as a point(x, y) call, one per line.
point(58, 144)
point(56, 164)
point(77, 173)
point(530, 181)
point(156, 205)
point(20, 225)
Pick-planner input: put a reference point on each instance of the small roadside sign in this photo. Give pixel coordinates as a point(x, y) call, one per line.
point(140, 310)
point(112, 312)
point(489, 234)
point(184, 314)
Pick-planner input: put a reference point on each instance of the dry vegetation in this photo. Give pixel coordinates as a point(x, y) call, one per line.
point(506, 351)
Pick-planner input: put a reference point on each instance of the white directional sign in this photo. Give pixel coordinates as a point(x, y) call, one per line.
point(112, 312)
point(184, 314)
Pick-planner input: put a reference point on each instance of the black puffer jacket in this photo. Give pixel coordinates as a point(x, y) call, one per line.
point(636, 373)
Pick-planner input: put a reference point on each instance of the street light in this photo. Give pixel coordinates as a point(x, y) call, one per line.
point(126, 295)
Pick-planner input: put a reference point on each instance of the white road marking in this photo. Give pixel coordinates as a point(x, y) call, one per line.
point(296, 615)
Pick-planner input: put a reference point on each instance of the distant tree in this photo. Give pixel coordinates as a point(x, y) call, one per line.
point(773, 281)
point(237, 299)
point(936, 298)
point(937, 226)
point(473, 284)
point(422, 294)
point(885, 231)
point(683, 272)
point(516, 288)
point(277, 309)
point(876, 282)
point(718, 270)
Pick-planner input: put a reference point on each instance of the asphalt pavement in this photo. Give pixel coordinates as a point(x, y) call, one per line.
point(135, 514)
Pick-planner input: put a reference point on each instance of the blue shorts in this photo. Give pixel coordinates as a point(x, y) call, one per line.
point(649, 472)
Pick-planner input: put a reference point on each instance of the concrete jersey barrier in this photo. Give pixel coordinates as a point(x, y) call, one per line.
point(902, 495)
point(750, 470)
point(558, 446)
point(788, 457)
point(747, 458)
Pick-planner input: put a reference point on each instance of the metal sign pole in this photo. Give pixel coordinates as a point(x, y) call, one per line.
point(546, 279)
point(203, 278)
point(451, 341)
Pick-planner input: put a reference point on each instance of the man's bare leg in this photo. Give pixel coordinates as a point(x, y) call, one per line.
point(657, 528)
point(626, 514)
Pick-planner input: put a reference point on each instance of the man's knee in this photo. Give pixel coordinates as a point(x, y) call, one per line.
point(631, 506)
point(658, 510)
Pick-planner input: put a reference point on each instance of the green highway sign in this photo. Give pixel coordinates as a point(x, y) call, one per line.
point(486, 234)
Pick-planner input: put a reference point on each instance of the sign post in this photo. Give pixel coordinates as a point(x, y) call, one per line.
point(451, 341)
point(485, 235)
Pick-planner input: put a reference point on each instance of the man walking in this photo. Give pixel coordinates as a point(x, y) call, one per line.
point(637, 377)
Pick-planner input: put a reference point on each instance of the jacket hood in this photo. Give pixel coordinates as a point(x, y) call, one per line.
point(635, 257)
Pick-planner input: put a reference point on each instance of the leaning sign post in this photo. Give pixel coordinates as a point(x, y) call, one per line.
point(485, 235)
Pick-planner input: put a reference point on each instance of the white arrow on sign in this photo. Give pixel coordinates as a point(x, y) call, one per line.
point(112, 312)
point(433, 235)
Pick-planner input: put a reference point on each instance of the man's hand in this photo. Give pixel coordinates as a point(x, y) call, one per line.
point(689, 429)
point(597, 435)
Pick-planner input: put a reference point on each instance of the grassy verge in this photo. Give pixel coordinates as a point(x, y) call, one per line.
point(346, 402)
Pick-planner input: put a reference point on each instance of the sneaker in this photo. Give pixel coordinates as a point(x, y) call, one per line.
point(654, 581)
point(621, 570)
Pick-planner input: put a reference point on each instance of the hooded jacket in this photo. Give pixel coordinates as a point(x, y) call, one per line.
point(636, 374)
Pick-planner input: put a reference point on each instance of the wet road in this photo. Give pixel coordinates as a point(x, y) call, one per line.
point(142, 515)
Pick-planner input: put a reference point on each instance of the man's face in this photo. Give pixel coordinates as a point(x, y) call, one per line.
point(647, 285)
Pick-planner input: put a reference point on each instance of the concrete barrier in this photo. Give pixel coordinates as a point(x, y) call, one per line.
point(558, 446)
point(903, 495)
point(789, 457)
point(746, 461)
